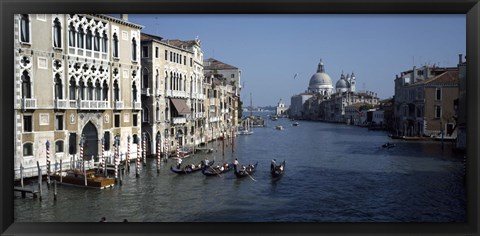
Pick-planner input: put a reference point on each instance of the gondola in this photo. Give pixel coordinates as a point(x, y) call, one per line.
point(215, 170)
point(388, 145)
point(248, 171)
point(277, 170)
point(189, 168)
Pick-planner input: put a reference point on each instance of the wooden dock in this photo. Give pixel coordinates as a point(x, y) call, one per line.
point(24, 191)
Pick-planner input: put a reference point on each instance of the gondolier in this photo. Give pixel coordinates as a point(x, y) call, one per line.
point(179, 162)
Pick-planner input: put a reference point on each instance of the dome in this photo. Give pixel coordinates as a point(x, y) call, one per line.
point(320, 79)
point(342, 83)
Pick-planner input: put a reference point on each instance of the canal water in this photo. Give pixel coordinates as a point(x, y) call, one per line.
point(334, 173)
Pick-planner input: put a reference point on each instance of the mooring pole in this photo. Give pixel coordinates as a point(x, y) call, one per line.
point(39, 180)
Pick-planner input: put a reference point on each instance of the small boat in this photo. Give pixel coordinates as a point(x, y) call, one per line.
point(204, 150)
point(277, 170)
point(388, 145)
point(279, 127)
point(216, 170)
point(295, 124)
point(249, 170)
point(183, 152)
point(190, 168)
point(77, 178)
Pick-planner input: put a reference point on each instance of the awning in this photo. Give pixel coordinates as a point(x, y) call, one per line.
point(181, 106)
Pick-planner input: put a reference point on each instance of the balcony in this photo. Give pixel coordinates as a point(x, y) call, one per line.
point(61, 104)
point(212, 101)
point(118, 105)
point(73, 104)
point(175, 93)
point(158, 92)
point(214, 119)
point(93, 105)
point(29, 103)
point(179, 120)
point(136, 105)
point(199, 115)
point(146, 92)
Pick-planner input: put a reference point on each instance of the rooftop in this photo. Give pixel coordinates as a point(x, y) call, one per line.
point(214, 64)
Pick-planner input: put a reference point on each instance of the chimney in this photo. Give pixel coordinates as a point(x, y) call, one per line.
point(460, 58)
point(124, 17)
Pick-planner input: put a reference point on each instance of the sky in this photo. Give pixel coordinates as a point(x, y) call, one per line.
point(271, 49)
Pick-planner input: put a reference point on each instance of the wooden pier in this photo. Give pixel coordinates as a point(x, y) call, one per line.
point(24, 191)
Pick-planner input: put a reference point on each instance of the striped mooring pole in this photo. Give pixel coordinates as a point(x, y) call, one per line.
point(115, 161)
point(47, 144)
point(144, 149)
point(137, 174)
point(159, 142)
point(127, 162)
point(103, 156)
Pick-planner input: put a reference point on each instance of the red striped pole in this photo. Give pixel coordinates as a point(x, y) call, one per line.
point(144, 149)
point(103, 155)
point(127, 163)
point(116, 157)
point(158, 153)
point(166, 148)
point(81, 150)
point(47, 144)
point(178, 149)
point(138, 158)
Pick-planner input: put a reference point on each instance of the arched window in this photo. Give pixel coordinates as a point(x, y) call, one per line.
point(59, 146)
point(157, 113)
point(72, 89)
point(57, 34)
point(88, 40)
point(96, 41)
point(116, 91)
point(171, 81)
point(134, 92)
point(28, 149)
point(134, 49)
point(81, 90)
point(105, 91)
point(166, 81)
point(71, 35)
point(80, 36)
point(157, 81)
point(26, 85)
point(58, 87)
point(25, 28)
point(104, 42)
point(145, 78)
point(90, 90)
point(98, 91)
point(180, 80)
point(115, 45)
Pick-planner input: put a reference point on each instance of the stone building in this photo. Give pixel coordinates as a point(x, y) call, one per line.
point(172, 92)
point(424, 99)
point(77, 77)
point(281, 109)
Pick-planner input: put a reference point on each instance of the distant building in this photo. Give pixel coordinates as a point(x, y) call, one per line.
point(296, 104)
point(461, 114)
point(281, 109)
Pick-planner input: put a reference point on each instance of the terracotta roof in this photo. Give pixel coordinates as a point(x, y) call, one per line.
point(448, 77)
point(149, 37)
point(214, 64)
point(180, 43)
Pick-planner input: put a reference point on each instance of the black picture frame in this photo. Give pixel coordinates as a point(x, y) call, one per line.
point(10, 7)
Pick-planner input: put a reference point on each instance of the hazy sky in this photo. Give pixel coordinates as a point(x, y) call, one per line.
point(271, 49)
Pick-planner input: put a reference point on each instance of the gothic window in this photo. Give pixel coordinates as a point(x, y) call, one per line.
point(116, 91)
point(105, 91)
point(71, 35)
point(25, 28)
point(58, 87)
point(88, 40)
point(134, 92)
point(166, 80)
point(26, 85)
point(145, 78)
point(157, 113)
point(134, 49)
point(73, 89)
point(90, 90)
point(98, 91)
point(96, 41)
point(104, 42)
point(80, 36)
point(57, 34)
point(115, 45)
point(157, 81)
point(171, 81)
point(81, 90)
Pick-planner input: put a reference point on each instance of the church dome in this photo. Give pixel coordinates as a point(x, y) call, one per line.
point(342, 82)
point(320, 80)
